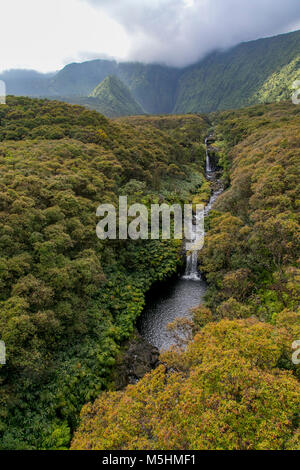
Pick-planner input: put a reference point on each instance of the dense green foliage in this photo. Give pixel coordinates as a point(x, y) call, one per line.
point(235, 386)
point(224, 392)
point(110, 97)
point(67, 299)
point(252, 72)
point(252, 252)
point(115, 99)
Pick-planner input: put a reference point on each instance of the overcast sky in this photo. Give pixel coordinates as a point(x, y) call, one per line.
point(46, 34)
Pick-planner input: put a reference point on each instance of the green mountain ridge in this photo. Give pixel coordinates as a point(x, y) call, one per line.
point(226, 80)
point(115, 99)
point(249, 73)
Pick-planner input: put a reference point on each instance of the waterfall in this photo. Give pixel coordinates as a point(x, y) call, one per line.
point(196, 233)
point(178, 297)
point(208, 164)
point(191, 270)
point(193, 238)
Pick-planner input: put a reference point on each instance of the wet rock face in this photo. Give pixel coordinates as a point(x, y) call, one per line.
point(138, 358)
point(210, 140)
point(213, 158)
point(212, 152)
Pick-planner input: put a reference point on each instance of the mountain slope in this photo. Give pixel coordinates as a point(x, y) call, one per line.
point(81, 79)
point(115, 99)
point(153, 86)
point(231, 79)
point(249, 73)
point(26, 82)
point(278, 87)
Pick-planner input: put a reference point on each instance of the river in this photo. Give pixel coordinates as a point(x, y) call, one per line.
point(175, 298)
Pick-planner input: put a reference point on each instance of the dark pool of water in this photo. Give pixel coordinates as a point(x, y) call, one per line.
point(164, 304)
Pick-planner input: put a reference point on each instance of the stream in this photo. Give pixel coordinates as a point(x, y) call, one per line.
point(175, 298)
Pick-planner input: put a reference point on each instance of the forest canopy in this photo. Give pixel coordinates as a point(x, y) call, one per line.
point(235, 386)
point(68, 300)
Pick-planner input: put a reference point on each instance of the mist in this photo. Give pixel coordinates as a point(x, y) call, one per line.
point(181, 32)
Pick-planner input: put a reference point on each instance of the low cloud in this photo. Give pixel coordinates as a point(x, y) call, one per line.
point(181, 32)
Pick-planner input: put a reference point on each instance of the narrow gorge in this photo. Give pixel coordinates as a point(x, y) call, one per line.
point(175, 298)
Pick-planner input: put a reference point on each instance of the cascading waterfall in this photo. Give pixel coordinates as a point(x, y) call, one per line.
point(191, 270)
point(208, 164)
point(176, 298)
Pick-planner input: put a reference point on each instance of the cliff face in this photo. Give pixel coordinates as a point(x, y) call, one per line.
point(137, 359)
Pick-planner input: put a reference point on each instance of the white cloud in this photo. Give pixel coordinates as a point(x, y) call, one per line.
point(179, 32)
point(46, 34)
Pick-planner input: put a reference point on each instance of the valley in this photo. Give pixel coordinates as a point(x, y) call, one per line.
point(149, 230)
point(230, 382)
point(70, 302)
point(176, 298)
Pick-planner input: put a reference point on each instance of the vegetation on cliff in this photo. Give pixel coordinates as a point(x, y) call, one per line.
point(115, 99)
point(252, 249)
point(240, 76)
